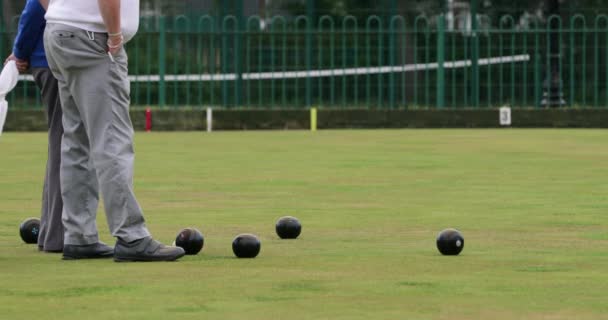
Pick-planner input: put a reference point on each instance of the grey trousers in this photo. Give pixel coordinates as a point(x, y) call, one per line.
point(97, 148)
point(50, 237)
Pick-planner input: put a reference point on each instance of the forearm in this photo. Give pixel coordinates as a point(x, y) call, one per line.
point(110, 12)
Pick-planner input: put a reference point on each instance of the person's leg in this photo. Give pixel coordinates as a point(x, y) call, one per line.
point(105, 113)
point(44, 211)
point(79, 186)
point(112, 149)
point(99, 88)
point(51, 234)
point(96, 91)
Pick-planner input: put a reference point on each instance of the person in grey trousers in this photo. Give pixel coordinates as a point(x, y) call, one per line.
point(84, 45)
point(28, 54)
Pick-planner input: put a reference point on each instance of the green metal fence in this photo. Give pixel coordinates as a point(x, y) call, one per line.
point(377, 62)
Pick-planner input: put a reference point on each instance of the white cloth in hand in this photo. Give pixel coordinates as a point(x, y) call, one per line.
point(8, 80)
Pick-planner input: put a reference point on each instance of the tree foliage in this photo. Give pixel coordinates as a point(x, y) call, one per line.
point(359, 8)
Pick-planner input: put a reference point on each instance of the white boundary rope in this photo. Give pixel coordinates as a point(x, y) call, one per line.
point(322, 73)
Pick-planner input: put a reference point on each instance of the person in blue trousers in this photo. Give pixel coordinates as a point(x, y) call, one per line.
point(28, 53)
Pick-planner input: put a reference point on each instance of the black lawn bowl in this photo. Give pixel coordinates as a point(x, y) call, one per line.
point(191, 240)
point(288, 228)
point(450, 242)
point(29, 230)
point(246, 246)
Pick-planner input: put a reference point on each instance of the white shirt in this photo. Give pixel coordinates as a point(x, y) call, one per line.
point(85, 14)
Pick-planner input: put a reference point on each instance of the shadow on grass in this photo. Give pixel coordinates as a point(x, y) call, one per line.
point(209, 258)
point(190, 309)
point(69, 292)
point(300, 286)
point(273, 299)
point(418, 284)
point(543, 269)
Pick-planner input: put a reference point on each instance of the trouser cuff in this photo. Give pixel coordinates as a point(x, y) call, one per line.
point(133, 235)
point(80, 239)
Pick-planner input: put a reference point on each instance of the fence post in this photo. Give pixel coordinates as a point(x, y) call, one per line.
point(574, 47)
point(224, 63)
point(214, 25)
point(537, 66)
point(474, 54)
point(310, 10)
point(380, 62)
point(249, 30)
point(596, 55)
point(440, 61)
point(392, 34)
point(180, 22)
point(2, 29)
point(238, 53)
point(354, 31)
point(553, 85)
point(162, 94)
point(272, 59)
point(537, 82)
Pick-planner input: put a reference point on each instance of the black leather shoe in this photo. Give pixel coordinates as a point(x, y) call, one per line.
point(43, 249)
point(90, 251)
point(146, 249)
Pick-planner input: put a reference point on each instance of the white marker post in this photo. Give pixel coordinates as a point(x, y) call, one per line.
point(209, 119)
point(8, 80)
point(504, 116)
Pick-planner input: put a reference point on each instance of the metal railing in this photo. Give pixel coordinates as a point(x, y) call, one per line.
point(294, 62)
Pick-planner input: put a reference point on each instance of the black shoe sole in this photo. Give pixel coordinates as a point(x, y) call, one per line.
point(87, 257)
point(52, 251)
point(41, 249)
point(147, 259)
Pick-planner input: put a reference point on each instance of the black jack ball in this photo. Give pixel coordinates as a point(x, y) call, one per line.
point(29, 230)
point(288, 228)
point(191, 240)
point(246, 246)
point(450, 242)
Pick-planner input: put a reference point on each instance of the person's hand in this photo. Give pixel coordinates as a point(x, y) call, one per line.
point(115, 42)
point(22, 65)
point(10, 58)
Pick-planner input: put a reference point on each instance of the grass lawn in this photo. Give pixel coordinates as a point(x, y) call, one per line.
point(532, 205)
